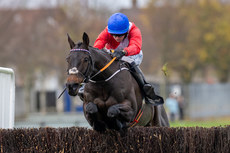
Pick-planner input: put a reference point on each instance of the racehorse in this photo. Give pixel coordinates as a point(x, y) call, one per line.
point(112, 98)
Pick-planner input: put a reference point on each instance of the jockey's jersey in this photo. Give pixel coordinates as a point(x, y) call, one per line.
point(132, 43)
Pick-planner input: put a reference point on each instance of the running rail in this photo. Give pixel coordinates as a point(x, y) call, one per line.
point(7, 98)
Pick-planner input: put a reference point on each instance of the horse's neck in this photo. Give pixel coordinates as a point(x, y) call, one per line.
point(100, 60)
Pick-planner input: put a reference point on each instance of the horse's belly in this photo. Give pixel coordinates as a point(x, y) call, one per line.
point(147, 115)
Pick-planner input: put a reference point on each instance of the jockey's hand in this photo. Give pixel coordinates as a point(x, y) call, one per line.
point(119, 54)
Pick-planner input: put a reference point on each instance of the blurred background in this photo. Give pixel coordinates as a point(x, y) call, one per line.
point(186, 45)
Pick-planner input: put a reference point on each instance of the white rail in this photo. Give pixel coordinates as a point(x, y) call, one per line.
point(7, 97)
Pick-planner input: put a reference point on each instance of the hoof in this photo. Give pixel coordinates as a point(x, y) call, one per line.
point(91, 108)
point(113, 111)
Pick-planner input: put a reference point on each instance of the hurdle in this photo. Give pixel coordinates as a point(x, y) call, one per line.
point(7, 98)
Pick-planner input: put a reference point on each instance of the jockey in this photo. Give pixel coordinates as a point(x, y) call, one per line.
point(125, 39)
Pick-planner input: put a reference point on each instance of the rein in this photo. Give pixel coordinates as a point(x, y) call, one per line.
point(89, 78)
point(105, 67)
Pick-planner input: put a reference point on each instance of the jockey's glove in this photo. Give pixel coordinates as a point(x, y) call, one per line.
point(119, 53)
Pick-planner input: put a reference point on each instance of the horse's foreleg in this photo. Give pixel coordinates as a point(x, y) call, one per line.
point(91, 114)
point(122, 114)
point(122, 110)
point(91, 108)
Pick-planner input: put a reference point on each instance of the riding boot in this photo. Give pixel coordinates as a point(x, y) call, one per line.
point(81, 91)
point(147, 88)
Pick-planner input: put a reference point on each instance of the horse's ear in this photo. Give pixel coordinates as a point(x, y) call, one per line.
point(85, 39)
point(71, 43)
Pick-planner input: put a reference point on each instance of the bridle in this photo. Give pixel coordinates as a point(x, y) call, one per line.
point(87, 74)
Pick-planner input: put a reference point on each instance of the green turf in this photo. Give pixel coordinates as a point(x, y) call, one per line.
point(205, 123)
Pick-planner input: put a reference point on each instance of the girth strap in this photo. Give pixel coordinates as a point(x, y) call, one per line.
point(136, 119)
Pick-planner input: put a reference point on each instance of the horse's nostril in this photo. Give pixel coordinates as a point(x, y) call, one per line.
point(75, 86)
point(72, 86)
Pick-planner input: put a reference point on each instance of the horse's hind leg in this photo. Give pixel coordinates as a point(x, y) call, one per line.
point(160, 116)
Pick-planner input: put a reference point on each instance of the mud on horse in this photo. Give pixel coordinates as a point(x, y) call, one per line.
point(112, 97)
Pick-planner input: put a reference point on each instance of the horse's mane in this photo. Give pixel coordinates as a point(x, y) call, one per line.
point(107, 54)
point(103, 52)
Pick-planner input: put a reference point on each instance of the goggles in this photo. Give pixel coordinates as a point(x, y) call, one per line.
point(117, 35)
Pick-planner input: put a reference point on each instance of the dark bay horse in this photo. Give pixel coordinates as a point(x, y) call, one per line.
point(112, 97)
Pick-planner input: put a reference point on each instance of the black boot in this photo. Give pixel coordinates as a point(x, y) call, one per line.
point(147, 88)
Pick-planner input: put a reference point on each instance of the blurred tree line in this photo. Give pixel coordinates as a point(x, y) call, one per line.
point(35, 40)
point(189, 36)
point(192, 36)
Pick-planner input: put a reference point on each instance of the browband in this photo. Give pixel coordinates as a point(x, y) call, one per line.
point(79, 49)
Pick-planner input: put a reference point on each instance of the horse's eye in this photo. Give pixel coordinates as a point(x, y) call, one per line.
point(86, 59)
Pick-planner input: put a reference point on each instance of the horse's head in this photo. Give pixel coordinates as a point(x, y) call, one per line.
point(79, 64)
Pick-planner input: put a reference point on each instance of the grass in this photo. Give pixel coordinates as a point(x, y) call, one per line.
point(201, 123)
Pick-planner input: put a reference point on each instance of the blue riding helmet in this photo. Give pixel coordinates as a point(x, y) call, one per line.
point(118, 24)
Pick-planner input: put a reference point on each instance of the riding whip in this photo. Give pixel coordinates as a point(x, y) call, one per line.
point(62, 92)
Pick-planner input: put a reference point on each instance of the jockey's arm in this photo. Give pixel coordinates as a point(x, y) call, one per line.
point(101, 40)
point(135, 42)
